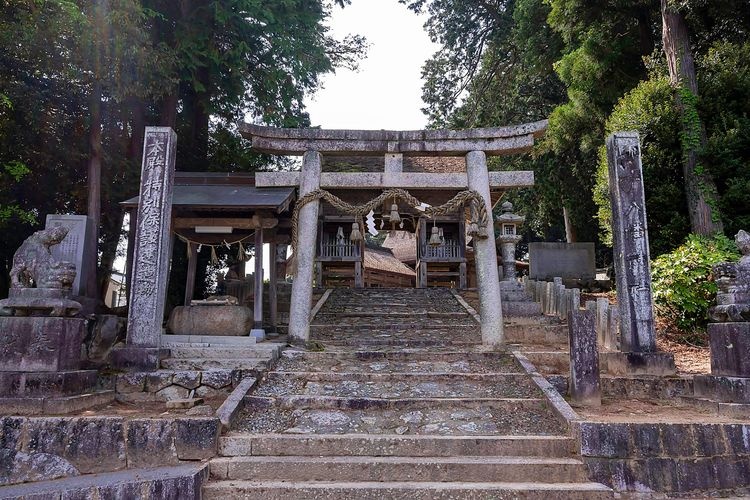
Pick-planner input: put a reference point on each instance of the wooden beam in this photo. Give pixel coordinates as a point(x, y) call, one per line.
point(253, 222)
point(258, 295)
point(272, 283)
point(192, 268)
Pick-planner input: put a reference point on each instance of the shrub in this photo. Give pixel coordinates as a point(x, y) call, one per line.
point(683, 286)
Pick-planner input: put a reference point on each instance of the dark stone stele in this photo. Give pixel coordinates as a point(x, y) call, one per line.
point(585, 387)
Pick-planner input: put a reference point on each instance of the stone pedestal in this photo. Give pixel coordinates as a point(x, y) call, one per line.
point(729, 381)
point(41, 302)
point(639, 363)
point(508, 243)
point(730, 349)
point(585, 386)
point(40, 361)
point(38, 344)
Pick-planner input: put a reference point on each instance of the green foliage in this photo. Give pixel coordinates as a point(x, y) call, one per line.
point(683, 288)
point(649, 109)
point(724, 79)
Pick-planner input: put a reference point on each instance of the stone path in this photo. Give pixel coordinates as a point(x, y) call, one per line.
point(405, 405)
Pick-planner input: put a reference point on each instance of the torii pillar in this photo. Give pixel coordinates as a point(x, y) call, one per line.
point(488, 279)
point(307, 227)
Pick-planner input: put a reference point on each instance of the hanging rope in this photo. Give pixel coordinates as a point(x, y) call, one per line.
point(477, 227)
point(241, 255)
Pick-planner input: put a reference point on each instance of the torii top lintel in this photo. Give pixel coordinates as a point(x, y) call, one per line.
point(295, 141)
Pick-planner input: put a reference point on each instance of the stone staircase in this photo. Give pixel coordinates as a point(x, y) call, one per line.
point(402, 402)
point(211, 353)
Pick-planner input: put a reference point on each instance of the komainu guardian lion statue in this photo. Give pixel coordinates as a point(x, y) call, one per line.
point(35, 267)
point(41, 284)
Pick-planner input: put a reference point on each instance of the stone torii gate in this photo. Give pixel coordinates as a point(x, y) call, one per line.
point(474, 144)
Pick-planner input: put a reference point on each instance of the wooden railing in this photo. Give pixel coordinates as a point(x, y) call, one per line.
point(332, 248)
point(448, 250)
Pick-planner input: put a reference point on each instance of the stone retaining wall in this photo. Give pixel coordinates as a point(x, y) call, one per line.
point(667, 458)
point(36, 448)
point(167, 385)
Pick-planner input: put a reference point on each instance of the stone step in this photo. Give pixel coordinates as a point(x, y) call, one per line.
point(202, 364)
point(377, 313)
point(264, 351)
point(429, 469)
point(398, 362)
point(271, 490)
point(168, 339)
point(401, 342)
point(389, 386)
point(424, 416)
point(415, 356)
point(536, 333)
point(395, 325)
point(317, 402)
point(239, 445)
point(181, 481)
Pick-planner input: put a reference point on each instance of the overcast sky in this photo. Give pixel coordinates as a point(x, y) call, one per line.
point(386, 92)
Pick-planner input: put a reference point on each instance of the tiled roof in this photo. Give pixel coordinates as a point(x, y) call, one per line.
point(402, 244)
point(383, 260)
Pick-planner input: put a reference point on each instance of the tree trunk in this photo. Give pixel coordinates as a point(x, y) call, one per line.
point(700, 188)
point(570, 231)
point(94, 184)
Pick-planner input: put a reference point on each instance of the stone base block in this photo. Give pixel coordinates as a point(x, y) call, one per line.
point(722, 389)
point(210, 320)
point(58, 405)
point(39, 344)
point(730, 349)
point(35, 384)
point(522, 309)
point(638, 363)
point(259, 334)
point(139, 359)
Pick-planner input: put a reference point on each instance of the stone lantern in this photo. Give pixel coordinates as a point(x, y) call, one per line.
point(508, 224)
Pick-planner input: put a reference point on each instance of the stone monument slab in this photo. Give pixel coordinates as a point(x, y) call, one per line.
point(73, 247)
point(585, 386)
point(152, 246)
point(569, 261)
point(631, 250)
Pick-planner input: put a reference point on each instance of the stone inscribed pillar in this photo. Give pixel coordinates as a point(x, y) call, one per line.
point(488, 279)
point(631, 243)
point(151, 255)
point(302, 286)
point(585, 386)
